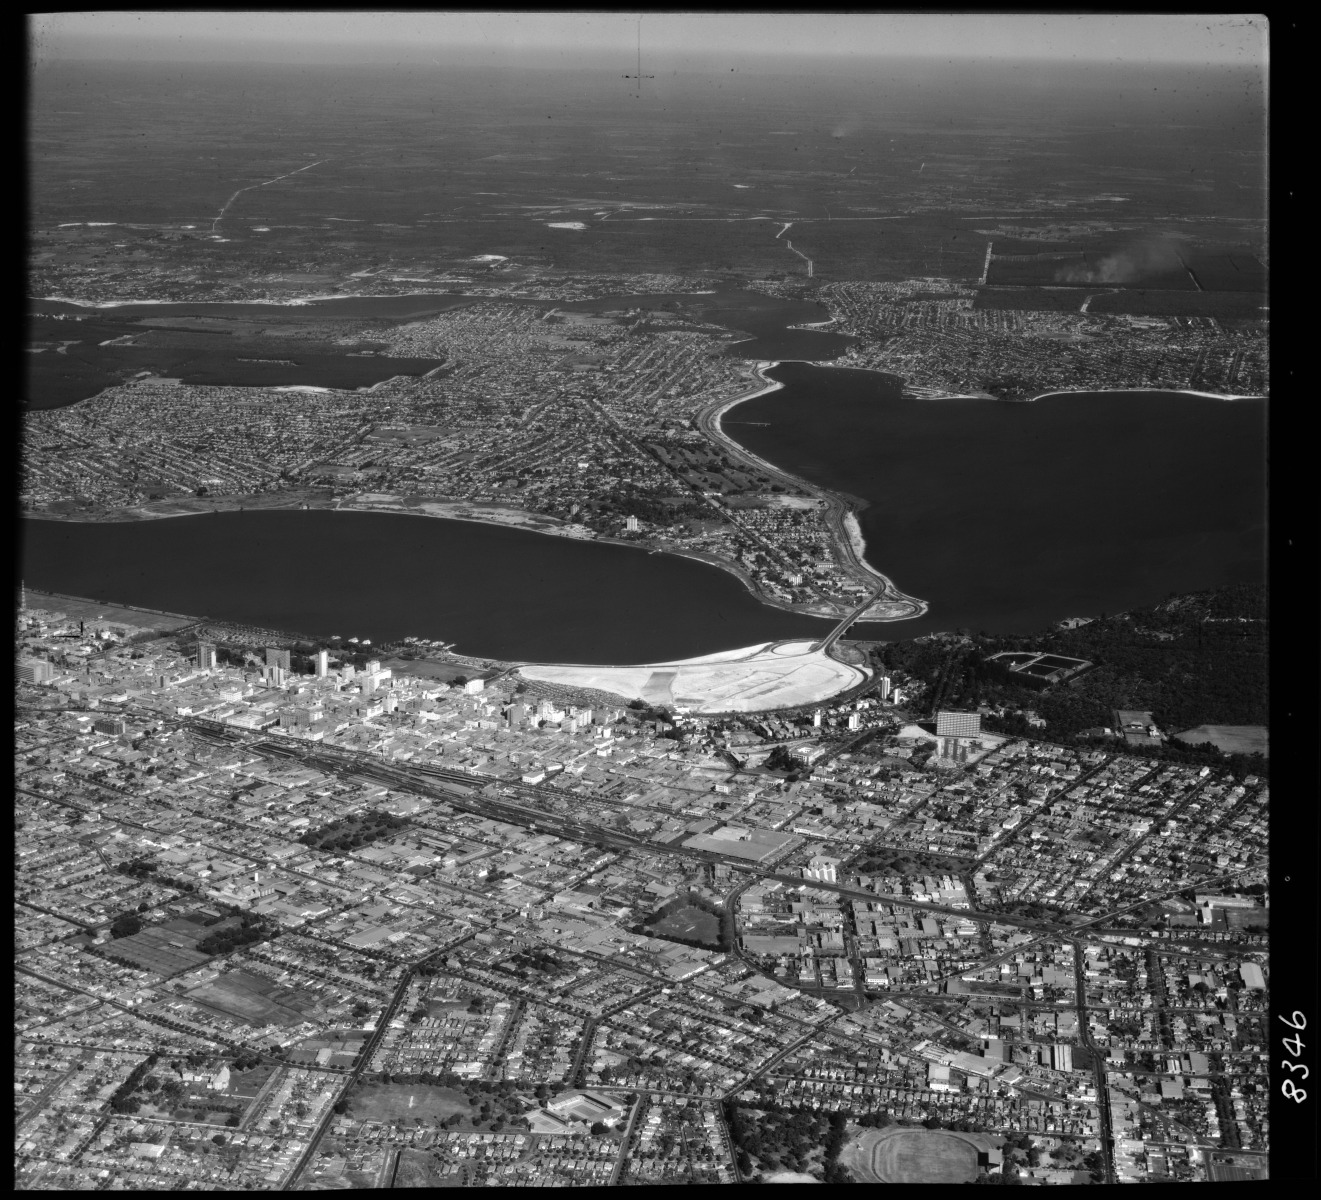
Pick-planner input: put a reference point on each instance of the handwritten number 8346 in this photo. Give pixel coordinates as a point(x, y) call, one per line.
point(1294, 1046)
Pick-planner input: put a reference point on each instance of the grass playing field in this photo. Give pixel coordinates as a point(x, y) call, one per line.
point(925, 1157)
point(911, 1156)
point(389, 1101)
point(255, 1000)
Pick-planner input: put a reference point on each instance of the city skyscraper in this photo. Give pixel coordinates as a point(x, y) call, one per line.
point(276, 657)
point(322, 661)
point(206, 656)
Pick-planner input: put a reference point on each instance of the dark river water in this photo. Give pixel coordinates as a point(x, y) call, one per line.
point(501, 592)
point(1003, 517)
point(1008, 517)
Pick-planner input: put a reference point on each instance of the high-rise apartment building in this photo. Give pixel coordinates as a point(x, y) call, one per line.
point(958, 724)
point(206, 656)
point(322, 661)
point(954, 730)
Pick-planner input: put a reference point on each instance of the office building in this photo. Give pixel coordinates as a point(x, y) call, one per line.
point(276, 657)
point(822, 868)
point(206, 656)
point(35, 670)
point(322, 662)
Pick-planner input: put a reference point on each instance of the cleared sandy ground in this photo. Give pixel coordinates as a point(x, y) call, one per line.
point(753, 679)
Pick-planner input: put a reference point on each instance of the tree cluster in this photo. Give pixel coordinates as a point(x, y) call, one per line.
point(1190, 660)
point(352, 832)
point(126, 925)
point(783, 1138)
point(123, 1100)
point(250, 930)
point(780, 759)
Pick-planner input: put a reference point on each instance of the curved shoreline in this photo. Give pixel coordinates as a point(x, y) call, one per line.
point(1142, 391)
point(297, 302)
point(841, 513)
point(841, 510)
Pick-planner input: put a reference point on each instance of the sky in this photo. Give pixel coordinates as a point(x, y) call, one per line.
point(564, 38)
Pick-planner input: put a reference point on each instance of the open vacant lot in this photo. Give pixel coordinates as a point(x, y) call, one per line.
point(79, 609)
point(418, 1169)
point(692, 923)
point(1232, 739)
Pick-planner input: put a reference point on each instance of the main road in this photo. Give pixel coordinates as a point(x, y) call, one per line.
point(841, 629)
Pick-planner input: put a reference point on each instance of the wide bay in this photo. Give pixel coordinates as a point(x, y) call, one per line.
point(1008, 517)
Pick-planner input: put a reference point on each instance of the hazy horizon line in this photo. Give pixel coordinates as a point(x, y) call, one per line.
point(558, 58)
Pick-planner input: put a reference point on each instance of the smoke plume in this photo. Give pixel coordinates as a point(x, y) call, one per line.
point(1126, 265)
